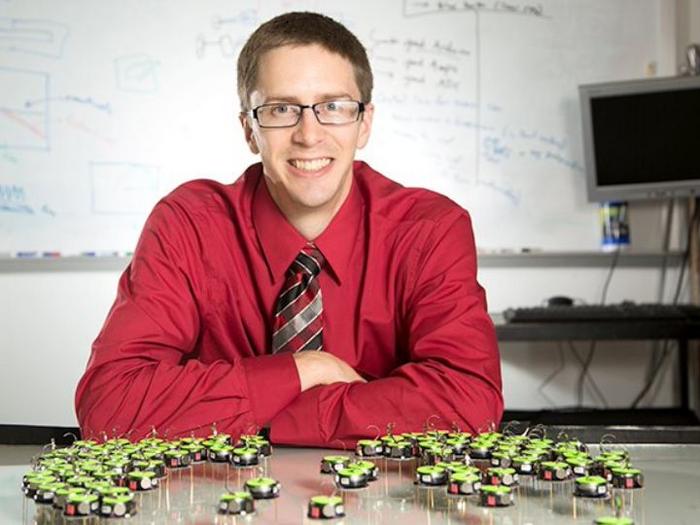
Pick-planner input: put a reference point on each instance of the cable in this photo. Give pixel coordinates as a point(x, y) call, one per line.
point(665, 247)
point(679, 283)
point(592, 384)
point(613, 265)
point(657, 351)
point(664, 366)
point(552, 375)
point(650, 382)
point(586, 364)
point(686, 254)
point(666, 351)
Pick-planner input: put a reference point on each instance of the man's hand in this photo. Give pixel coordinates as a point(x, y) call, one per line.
point(322, 368)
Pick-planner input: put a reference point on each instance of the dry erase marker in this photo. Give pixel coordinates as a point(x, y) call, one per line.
point(51, 254)
point(100, 254)
point(26, 255)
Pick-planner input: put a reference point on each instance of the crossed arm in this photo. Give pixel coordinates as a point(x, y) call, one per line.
point(452, 376)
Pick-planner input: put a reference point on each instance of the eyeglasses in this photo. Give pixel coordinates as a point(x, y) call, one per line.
point(286, 115)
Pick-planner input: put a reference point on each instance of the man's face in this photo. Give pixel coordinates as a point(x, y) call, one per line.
point(307, 167)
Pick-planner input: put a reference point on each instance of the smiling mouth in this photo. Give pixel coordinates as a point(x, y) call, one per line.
point(311, 165)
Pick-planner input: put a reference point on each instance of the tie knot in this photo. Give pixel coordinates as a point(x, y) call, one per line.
point(310, 260)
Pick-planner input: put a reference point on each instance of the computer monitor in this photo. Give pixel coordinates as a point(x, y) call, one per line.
point(641, 138)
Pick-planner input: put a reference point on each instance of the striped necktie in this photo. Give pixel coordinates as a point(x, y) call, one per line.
point(298, 323)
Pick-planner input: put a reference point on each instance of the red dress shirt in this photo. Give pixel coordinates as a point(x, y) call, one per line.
point(187, 340)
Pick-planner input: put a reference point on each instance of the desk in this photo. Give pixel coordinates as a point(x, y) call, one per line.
point(672, 478)
point(681, 331)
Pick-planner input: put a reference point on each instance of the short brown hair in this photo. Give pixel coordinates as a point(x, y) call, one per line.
point(302, 28)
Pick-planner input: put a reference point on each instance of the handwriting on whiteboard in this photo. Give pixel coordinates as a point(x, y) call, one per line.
point(413, 8)
point(13, 199)
point(44, 38)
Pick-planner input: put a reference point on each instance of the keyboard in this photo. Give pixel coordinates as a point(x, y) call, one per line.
point(625, 311)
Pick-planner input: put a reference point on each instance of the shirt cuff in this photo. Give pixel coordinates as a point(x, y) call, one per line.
point(299, 424)
point(273, 383)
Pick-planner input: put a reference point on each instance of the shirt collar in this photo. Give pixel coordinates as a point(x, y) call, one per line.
point(338, 241)
point(281, 242)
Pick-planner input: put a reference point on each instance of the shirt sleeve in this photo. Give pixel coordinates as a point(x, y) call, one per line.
point(453, 377)
point(144, 371)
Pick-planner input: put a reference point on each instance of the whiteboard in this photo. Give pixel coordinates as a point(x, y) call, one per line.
point(107, 106)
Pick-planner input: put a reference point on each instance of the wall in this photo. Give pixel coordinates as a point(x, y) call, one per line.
point(48, 320)
point(687, 27)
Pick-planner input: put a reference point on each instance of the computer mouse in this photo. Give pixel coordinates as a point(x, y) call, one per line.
point(560, 300)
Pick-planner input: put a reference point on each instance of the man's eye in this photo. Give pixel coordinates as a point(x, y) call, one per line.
point(332, 106)
point(280, 109)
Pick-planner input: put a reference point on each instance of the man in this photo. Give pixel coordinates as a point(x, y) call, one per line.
point(312, 295)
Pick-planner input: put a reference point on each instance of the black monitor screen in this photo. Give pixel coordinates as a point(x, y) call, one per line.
point(647, 137)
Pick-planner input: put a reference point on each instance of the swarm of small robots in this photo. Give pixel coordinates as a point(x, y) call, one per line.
point(101, 478)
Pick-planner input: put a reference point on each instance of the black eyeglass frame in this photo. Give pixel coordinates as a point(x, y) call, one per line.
point(360, 110)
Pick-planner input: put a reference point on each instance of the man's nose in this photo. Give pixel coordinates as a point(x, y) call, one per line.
point(309, 130)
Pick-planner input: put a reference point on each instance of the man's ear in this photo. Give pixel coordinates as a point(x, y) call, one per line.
point(365, 126)
point(248, 132)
